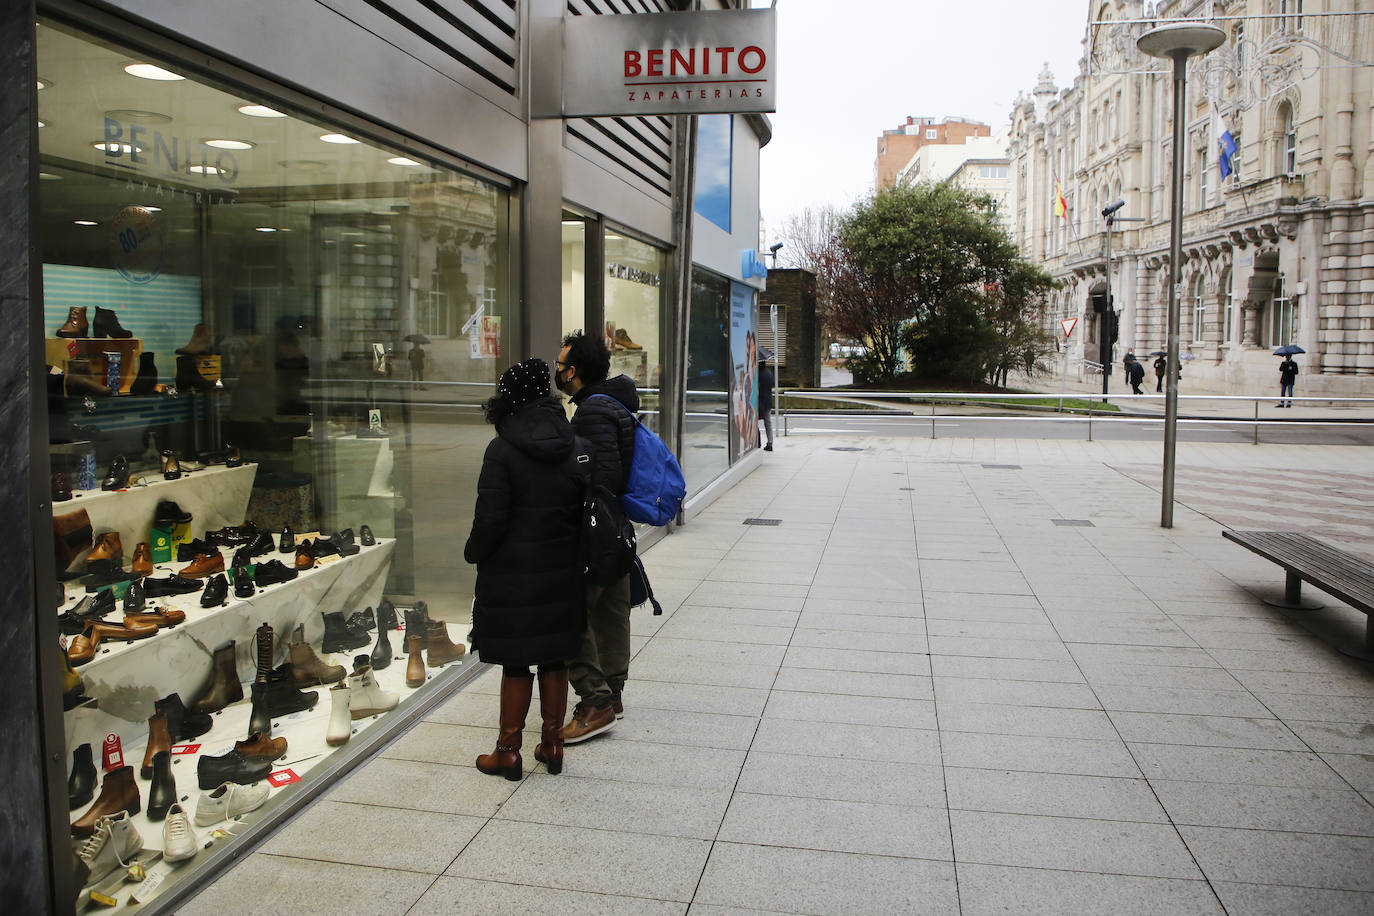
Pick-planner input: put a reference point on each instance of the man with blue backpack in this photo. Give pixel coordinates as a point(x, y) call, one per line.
point(599, 671)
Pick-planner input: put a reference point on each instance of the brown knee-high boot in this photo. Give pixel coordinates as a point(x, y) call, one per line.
point(553, 706)
point(515, 703)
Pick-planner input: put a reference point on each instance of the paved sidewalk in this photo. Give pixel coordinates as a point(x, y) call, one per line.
point(959, 676)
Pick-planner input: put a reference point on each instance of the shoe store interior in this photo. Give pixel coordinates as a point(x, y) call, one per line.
point(267, 344)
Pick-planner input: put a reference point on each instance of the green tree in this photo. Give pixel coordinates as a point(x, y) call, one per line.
point(929, 268)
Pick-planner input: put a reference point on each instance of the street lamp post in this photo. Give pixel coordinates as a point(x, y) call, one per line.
point(1110, 318)
point(1176, 41)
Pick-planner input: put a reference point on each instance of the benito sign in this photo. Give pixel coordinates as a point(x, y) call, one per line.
point(706, 62)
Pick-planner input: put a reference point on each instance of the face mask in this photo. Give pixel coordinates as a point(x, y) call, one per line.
point(564, 385)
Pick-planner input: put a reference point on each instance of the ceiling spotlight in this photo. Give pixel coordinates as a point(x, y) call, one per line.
point(138, 114)
point(153, 209)
point(85, 222)
point(205, 170)
point(115, 148)
point(49, 176)
point(265, 229)
point(42, 123)
point(44, 84)
point(152, 72)
point(402, 160)
point(229, 144)
point(259, 111)
point(338, 138)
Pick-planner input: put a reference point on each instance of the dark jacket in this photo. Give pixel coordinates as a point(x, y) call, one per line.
point(528, 606)
point(609, 427)
point(765, 389)
point(1288, 371)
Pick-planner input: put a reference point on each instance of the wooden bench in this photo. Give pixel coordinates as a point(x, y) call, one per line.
point(1306, 559)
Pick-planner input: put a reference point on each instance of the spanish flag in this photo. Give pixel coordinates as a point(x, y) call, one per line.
point(1061, 205)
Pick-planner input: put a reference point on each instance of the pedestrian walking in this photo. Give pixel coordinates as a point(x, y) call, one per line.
point(1288, 374)
point(527, 608)
point(1161, 366)
point(600, 667)
point(766, 402)
point(1137, 376)
point(417, 363)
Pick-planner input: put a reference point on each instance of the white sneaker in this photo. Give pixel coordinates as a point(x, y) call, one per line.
point(179, 841)
point(113, 844)
point(229, 801)
point(366, 697)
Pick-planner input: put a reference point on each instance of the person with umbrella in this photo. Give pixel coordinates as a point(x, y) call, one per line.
point(417, 358)
point(1161, 364)
point(1288, 372)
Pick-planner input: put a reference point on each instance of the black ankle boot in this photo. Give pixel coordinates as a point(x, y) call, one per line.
point(81, 784)
point(188, 375)
point(107, 325)
point(381, 653)
point(261, 719)
point(182, 723)
point(283, 697)
point(118, 476)
point(163, 793)
point(338, 637)
point(146, 380)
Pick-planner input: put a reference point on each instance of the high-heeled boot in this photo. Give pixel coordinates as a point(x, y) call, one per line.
point(224, 682)
point(415, 662)
point(515, 704)
point(159, 739)
point(163, 792)
point(381, 653)
point(188, 375)
point(259, 720)
point(146, 380)
point(199, 343)
point(118, 792)
point(106, 324)
point(76, 325)
point(553, 705)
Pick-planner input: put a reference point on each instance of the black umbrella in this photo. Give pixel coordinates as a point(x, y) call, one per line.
point(1158, 353)
point(416, 338)
point(1288, 350)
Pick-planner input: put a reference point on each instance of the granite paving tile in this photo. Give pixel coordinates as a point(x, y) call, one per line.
point(1052, 794)
point(995, 889)
point(1039, 754)
point(857, 710)
point(1209, 731)
point(843, 779)
point(310, 886)
point(1273, 857)
point(1229, 764)
point(1301, 810)
point(856, 661)
point(859, 742)
point(855, 683)
point(1276, 900)
point(1071, 844)
point(837, 826)
point(603, 804)
point(398, 839)
point(990, 718)
point(499, 898)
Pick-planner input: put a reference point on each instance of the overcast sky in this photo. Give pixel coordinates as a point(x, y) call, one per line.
point(850, 70)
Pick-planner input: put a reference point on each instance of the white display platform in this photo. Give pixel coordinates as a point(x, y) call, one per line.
point(127, 678)
point(215, 496)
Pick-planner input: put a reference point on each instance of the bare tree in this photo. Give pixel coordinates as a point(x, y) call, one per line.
point(806, 236)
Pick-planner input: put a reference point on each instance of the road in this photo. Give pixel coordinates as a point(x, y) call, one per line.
point(1045, 426)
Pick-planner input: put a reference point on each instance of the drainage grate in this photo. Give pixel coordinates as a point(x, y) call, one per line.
point(766, 522)
point(1003, 467)
point(845, 448)
point(1073, 523)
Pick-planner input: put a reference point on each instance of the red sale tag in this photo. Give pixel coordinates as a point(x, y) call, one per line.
point(283, 777)
point(112, 754)
point(185, 749)
point(72, 348)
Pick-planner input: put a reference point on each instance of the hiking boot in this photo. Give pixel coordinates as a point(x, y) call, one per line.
point(588, 722)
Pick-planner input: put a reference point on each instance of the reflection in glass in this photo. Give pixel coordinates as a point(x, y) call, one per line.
point(706, 423)
point(713, 163)
point(635, 281)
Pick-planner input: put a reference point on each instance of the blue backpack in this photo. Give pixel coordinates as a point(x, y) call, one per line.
point(655, 487)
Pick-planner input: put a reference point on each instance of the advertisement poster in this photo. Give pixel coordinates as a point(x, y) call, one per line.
point(744, 400)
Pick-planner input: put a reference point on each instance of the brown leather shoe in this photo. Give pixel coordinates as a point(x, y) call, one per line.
point(205, 564)
point(415, 664)
point(305, 556)
point(83, 377)
point(261, 747)
point(143, 559)
point(82, 648)
point(441, 650)
point(553, 705)
point(161, 617)
point(515, 704)
point(118, 793)
point(200, 342)
point(225, 687)
point(158, 740)
point(588, 722)
point(107, 547)
point(77, 325)
point(71, 534)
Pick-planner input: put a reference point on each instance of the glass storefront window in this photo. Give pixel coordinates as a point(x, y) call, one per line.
point(574, 272)
point(261, 330)
point(635, 281)
point(706, 421)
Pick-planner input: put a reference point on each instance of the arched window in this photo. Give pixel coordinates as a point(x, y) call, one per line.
point(1288, 143)
point(1199, 307)
point(1229, 307)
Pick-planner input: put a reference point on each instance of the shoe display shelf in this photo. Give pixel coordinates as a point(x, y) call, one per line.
point(305, 731)
point(57, 350)
point(215, 496)
point(126, 678)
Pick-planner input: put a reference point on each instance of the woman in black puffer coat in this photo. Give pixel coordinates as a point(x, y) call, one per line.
point(524, 541)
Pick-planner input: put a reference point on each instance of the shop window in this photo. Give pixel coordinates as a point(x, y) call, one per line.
point(263, 329)
point(574, 272)
point(744, 359)
point(706, 421)
point(715, 138)
point(636, 277)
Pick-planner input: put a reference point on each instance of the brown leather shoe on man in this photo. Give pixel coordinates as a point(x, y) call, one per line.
point(588, 722)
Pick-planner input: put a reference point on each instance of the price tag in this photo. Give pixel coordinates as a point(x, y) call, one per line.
point(112, 754)
point(282, 778)
point(179, 749)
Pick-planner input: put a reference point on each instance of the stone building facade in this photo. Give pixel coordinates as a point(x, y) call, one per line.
point(1281, 251)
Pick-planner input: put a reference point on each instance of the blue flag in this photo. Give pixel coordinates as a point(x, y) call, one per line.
point(1226, 144)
